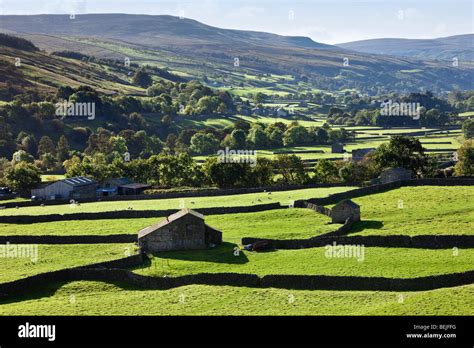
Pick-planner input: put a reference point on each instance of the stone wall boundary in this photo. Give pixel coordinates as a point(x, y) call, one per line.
point(394, 241)
point(299, 282)
point(132, 214)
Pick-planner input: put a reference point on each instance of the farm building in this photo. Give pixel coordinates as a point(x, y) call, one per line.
point(337, 148)
point(121, 186)
point(358, 155)
point(132, 189)
point(184, 230)
point(345, 209)
point(78, 187)
point(395, 174)
point(280, 112)
point(259, 111)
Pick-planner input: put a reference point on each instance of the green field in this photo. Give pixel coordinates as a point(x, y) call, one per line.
point(376, 262)
point(423, 210)
point(55, 257)
point(284, 224)
point(283, 197)
point(95, 298)
point(429, 142)
point(52, 177)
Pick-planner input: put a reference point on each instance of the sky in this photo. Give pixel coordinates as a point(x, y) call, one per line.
point(324, 21)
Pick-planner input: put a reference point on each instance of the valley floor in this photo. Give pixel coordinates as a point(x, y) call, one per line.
point(408, 211)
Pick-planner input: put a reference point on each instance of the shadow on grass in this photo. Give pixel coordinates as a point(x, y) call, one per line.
point(360, 226)
point(35, 293)
point(50, 290)
point(223, 253)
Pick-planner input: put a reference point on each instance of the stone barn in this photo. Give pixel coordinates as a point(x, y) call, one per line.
point(184, 230)
point(345, 209)
point(359, 154)
point(337, 148)
point(395, 174)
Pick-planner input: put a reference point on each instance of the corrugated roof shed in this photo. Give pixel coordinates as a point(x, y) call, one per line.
point(78, 181)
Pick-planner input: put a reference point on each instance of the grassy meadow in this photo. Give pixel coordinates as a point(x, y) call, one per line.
point(424, 210)
point(282, 197)
point(96, 298)
point(374, 262)
point(440, 210)
point(284, 224)
point(48, 258)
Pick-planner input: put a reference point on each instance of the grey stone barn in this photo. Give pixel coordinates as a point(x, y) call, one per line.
point(345, 209)
point(359, 154)
point(395, 174)
point(75, 188)
point(184, 230)
point(337, 148)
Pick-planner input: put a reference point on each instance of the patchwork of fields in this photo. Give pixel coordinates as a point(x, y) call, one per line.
point(407, 211)
point(434, 140)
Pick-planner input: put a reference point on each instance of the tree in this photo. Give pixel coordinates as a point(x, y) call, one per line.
point(137, 121)
point(257, 137)
point(22, 177)
point(296, 135)
point(73, 167)
point(142, 79)
point(204, 144)
point(225, 175)
point(259, 98)
point(262, 173)
point(46, 110)
point(207, 105)
point(64, 92)
point(235, 140)
point(29, 144)
point(22, 156)
point(465, 154)
point(47, 162)
point(174, 171)
point(46, 145)
point(7, 143)
point(468, 128)
point(402, 151)
point(274, 136)
point(355, 172)
point(62, 149)
point(291, 168)
point(326, 171)
point(321, 135)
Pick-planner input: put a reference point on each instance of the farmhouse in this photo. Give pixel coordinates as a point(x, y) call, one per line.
point(395, 174)
point(184, 230)
point(358, 155)
point(78, 187)
point(344, 210)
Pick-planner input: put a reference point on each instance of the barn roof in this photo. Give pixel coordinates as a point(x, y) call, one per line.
point(396, 170)
point(363, 151)
point(135, 186)
point(78, 181)
point(347, 202)
point(168, 220)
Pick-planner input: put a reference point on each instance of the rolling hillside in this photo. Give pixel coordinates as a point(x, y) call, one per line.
point(42, 72)
point(196, 50)
point(446, 48)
